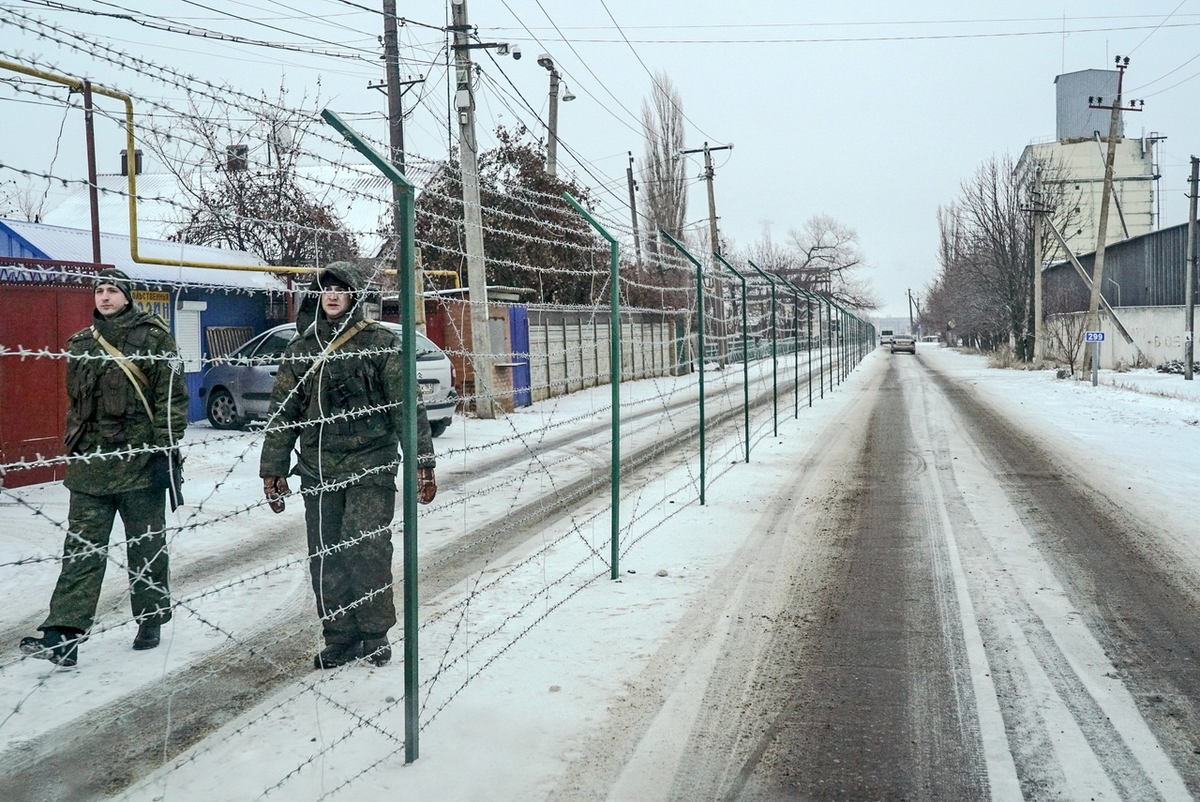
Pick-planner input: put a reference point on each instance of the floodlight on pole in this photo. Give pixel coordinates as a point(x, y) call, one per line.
point(545, 61)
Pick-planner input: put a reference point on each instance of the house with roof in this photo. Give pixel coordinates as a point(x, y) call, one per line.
point(47, 271)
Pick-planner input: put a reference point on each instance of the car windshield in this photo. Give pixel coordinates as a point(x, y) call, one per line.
point(242, 353)
point(272, 346)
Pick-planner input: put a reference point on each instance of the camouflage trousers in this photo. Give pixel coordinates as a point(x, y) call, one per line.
point(86, 553)
point(350, 558)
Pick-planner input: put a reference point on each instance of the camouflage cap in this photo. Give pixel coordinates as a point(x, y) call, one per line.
point(117, 278)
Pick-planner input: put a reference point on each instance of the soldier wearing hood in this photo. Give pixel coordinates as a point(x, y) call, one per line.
point(338, 393)
point(127, 408)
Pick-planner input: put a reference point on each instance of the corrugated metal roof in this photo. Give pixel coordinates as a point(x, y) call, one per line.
point(157, 219)
point(75, 245)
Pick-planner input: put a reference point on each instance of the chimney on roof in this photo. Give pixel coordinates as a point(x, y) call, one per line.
point(237, 157)
point(137, 162)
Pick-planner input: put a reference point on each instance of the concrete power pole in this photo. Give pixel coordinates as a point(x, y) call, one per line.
point(395, 97)
point(464, 105)
point(552, 142)
point(1039, 337)
point(714, 240)
point(1189, 353)
point(633, 217)
point(1093, 317)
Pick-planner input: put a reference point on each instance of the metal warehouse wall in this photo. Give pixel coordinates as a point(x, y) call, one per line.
point(1143, 271)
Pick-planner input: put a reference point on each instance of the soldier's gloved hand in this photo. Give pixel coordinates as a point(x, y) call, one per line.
point(426, 485)
point(275, 488)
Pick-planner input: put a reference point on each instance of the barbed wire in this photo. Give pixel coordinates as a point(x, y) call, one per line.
point(525, 484)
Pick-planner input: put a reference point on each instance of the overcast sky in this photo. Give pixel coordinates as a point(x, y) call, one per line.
point(872, 112)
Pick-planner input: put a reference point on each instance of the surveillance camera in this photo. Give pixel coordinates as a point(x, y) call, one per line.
point(516, 52)
point(544, 60)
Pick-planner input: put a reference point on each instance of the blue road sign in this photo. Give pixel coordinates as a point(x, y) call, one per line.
point(1093, 336)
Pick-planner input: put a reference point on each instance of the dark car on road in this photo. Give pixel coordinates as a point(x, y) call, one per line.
point(237, 388)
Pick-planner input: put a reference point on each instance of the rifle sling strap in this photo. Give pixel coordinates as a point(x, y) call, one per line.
point(132, 372)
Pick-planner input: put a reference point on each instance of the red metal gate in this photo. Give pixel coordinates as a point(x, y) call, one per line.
point(37, 315)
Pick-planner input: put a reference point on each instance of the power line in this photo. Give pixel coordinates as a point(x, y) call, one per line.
point(653, 79)
point(1164, 22)
point(231, 15)
point(578, 83)
point(168, 25)
point(849, 24)
point(864, 39)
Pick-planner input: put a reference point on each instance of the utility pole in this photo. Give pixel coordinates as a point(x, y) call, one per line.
point(93, 194)
point(547, 62)
point(911, 324)
point(1039, 343)
point(552, 144)
point(633, 217)
point(1189, 353)
point(1093, 317)
point(714, 238)
point(464, 105)
point(395, 96)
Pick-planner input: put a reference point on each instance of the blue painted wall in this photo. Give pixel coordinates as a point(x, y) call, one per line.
point(518, 327)
point(224, 309)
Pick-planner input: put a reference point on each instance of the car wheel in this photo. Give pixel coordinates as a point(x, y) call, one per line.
point(438, 427)
point(222, 413)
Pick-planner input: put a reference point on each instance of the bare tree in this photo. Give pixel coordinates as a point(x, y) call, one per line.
point(663, 176)
point(247, 188)
point(985, 255)
point(22, 201)
point(829, 260)
point(1064, 330)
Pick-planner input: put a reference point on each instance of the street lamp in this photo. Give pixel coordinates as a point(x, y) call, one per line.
point(552, 144)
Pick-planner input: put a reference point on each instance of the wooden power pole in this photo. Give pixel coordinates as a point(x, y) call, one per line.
point(1189, 352)
point(714, 239)
point(395, 97)
point(1093, 317)
point(1039, 209)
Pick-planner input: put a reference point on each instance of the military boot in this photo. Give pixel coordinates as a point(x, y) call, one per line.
point(148, 636)
point(377, 649)
point(59, 645)
point(338, 654)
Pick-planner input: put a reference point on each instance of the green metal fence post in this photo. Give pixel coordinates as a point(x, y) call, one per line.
point(745, 352)
point(795, 355)
point(774, 357)
point(700, 345)
point(614, 377)
point(820, 349)
point(408, 425)
point(796, 293)
point(808, 309)
point(837, 343)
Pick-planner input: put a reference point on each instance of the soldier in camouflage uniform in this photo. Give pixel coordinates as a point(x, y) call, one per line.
point(107, 415)
point(338, 392)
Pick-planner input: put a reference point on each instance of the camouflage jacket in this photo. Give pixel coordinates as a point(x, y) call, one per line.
point(345, 411)
point(105, 414)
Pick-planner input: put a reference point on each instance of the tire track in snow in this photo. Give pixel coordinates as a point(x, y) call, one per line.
point(1072, 597)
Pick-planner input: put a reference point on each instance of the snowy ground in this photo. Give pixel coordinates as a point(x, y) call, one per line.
point(536, 664)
